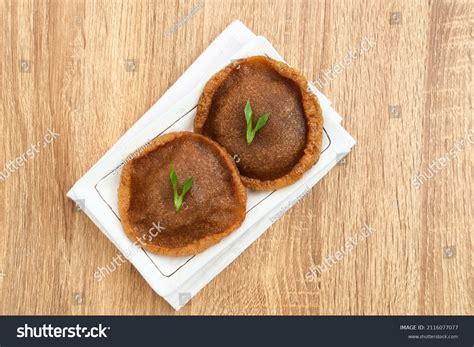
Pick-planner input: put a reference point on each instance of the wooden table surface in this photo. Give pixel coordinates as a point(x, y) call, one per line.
point(407, 101)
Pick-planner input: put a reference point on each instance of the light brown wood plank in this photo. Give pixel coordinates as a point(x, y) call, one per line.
point(76, 83)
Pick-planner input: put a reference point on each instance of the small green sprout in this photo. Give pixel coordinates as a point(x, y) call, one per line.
point(251, 131)
point(178, 198)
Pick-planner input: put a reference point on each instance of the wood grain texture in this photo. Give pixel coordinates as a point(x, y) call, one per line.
point(76, 83)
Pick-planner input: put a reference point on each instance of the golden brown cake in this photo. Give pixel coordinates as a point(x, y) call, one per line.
point(290, 141)
point(213, 207)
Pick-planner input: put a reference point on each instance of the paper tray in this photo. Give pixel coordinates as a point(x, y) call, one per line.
point(177, 279)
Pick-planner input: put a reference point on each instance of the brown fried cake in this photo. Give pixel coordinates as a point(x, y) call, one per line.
point(287, 145)
point(213, 207)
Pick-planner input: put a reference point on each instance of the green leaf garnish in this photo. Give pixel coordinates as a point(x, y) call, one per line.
point(178, 198)
point(248, 113)
point(260, 122)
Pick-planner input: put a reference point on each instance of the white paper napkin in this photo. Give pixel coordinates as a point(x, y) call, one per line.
point(177, 279)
